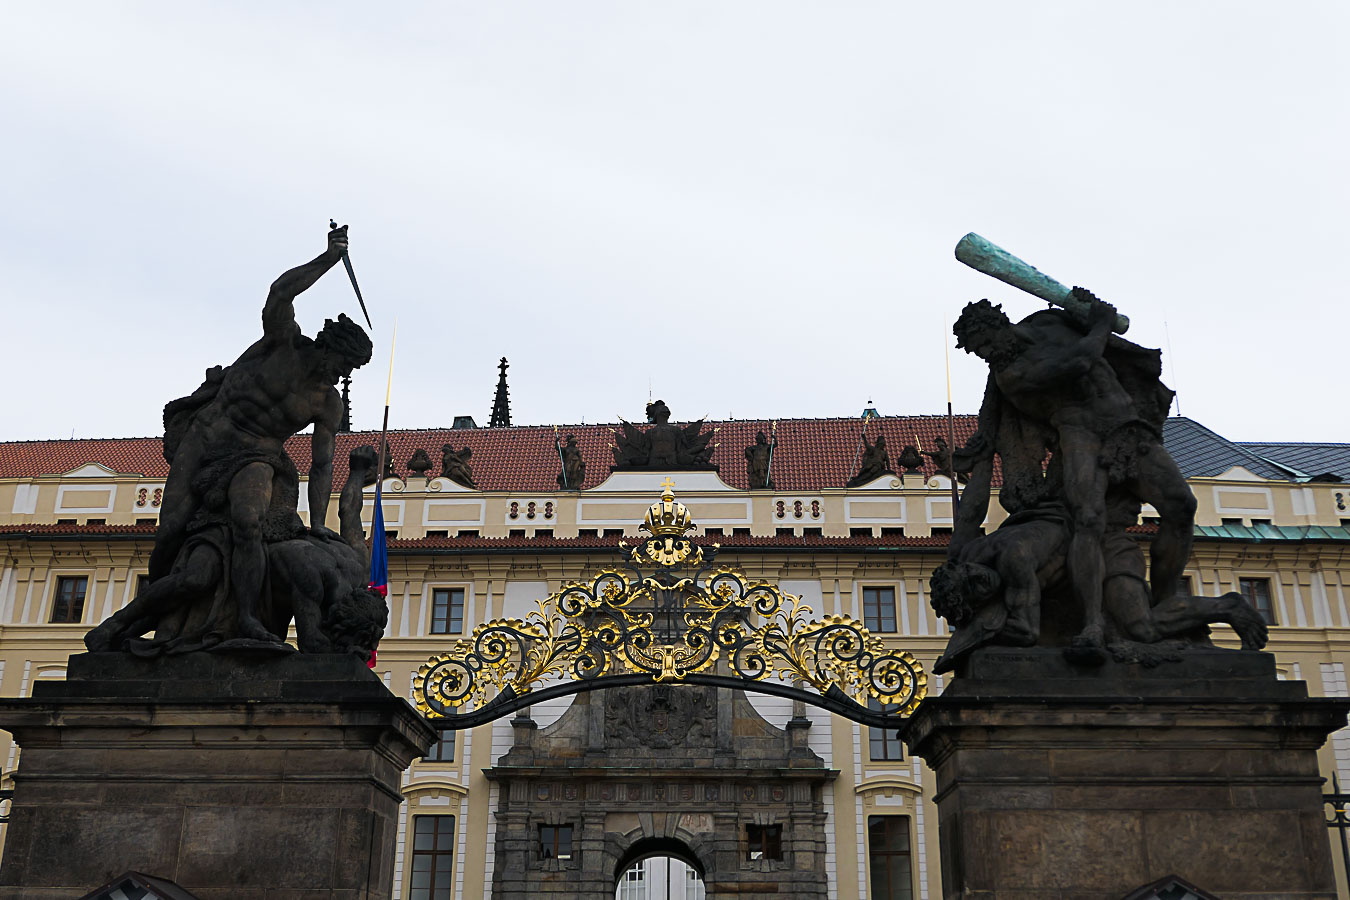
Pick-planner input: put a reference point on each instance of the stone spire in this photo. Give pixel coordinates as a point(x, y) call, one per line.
point(346, 424)
point(501, 404)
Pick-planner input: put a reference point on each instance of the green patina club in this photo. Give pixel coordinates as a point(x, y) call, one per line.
point(991, 259)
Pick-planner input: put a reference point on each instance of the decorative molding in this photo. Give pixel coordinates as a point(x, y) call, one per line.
point(107, 507)
point(429, 518)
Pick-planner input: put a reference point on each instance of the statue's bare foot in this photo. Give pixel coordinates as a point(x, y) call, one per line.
point(254, 631)
point(99, 639)
point(1089, 648)
point(1018, 632)
point(1251, 628)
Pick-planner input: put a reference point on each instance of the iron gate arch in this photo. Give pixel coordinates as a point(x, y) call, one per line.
point(669, 615)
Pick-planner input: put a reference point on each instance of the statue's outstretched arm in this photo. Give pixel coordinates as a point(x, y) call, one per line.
point(322, 445)
point(360, 472)
point(975, 498)
point(279, 311)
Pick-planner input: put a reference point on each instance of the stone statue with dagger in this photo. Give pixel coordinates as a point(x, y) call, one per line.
point(1074, 414)
point(229, 512)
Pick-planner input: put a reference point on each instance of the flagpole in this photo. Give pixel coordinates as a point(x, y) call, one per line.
point(951, 428)
point(384, 429)
point(557, 445)
point(379, 554)
point(773, 442)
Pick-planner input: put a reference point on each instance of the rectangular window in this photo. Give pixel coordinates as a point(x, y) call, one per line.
point(433, 858)
point(888, 861)
point(1257, 592)
point(763, 842)
point(555, 841)
point(444, 748)
point(633, 885)
point(1184, 587)
point(447, 610)
point(860, 532)
point(883, 744)
point(879, 608)
point(69, 603)
point(694, 889)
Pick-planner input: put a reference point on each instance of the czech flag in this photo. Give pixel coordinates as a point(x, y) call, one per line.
point(379, 554)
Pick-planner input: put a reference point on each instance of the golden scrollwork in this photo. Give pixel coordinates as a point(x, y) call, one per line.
point(669, 625)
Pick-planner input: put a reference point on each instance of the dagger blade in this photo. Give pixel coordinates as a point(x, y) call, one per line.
point(347, 261)
point(351, 274)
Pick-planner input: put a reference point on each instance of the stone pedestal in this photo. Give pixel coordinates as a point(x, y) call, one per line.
point(230, 774)
point(1056, 782)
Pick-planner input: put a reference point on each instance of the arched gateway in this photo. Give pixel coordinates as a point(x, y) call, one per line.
point(672, 757)
point(689, 771)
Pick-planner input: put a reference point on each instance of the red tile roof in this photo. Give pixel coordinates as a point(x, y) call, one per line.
point(82, 530)
point(812, 453)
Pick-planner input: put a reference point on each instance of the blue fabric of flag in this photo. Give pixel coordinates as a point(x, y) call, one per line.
point(379, 553)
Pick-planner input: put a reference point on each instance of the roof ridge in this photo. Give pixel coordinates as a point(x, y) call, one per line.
point(1337, 444)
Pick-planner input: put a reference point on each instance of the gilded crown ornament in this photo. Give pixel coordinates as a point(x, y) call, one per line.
point(667, 521)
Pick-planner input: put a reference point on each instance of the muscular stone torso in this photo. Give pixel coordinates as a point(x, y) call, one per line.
point(258, 405)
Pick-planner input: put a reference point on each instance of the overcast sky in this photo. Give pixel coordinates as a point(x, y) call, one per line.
point(747, 208)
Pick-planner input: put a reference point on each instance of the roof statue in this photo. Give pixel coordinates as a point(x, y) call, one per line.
point(1062, 387)
point(758, 460)
point(232, 563)
point(876, 461)
point(573, 474)
point(911, 460)
point(419, 463)
point(455, 465)
point(663, 446)
point(501, 401)
point(942, 460)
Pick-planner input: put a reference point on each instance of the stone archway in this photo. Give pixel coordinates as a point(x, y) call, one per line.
point(692, 769)
point(643, 848)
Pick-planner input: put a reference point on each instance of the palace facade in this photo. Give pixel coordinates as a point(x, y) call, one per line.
point(751, 792)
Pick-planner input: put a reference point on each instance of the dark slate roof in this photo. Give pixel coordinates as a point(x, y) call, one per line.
point(1259, 532)
point(1200, 453)
point(145, 887)
point(1306, 460)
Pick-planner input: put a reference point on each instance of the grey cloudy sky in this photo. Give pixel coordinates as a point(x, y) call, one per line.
point(749, 206)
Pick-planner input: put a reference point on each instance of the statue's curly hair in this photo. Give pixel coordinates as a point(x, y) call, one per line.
point(949, 590)
point(347, 339)
point(976, 317)
point(355, 623)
